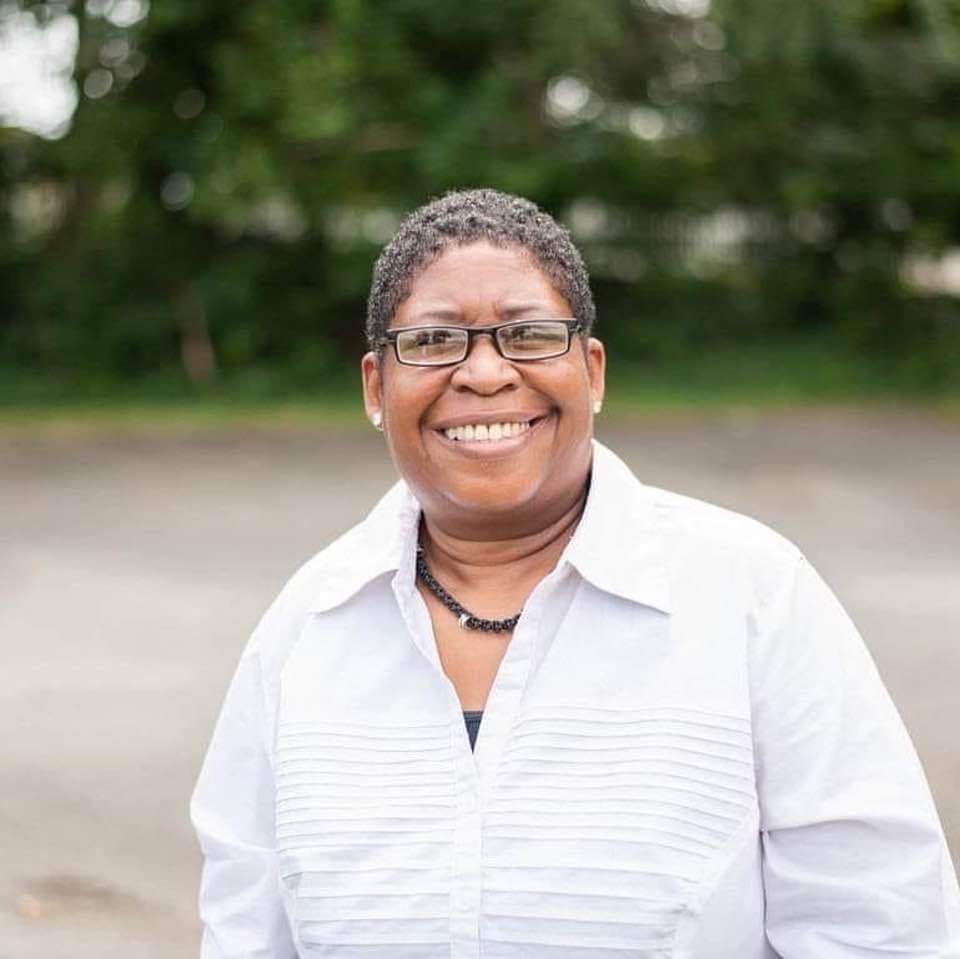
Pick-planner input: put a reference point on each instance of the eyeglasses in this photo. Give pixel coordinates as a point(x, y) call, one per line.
point(445, 345)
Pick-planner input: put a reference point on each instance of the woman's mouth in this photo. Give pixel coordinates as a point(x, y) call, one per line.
point(485, 432)
point(486, 439)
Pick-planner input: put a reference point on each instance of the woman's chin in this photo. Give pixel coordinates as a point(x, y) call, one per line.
point(487, 504)
point(493, 496)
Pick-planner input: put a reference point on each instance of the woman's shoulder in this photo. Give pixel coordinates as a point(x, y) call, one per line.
point(691, 525)
point(335, 572)
point(692, 548)
point(712, 544)
point(708, 525)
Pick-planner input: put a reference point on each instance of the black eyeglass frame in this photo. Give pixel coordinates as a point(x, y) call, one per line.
point(573, 327)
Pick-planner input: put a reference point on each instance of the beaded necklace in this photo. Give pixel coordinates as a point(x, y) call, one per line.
point(465, 618)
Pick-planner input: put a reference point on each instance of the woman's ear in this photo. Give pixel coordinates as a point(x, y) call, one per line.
point(596, 357)
point(372, 378)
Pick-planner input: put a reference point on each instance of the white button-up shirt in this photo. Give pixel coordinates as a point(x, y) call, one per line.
point(686, 752)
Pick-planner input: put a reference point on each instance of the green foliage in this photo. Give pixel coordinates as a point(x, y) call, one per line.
point(737, 174)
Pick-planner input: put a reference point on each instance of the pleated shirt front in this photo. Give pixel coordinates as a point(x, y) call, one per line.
point(686, 752)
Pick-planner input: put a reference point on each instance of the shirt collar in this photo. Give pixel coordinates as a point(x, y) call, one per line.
point(383, 543)
point(619, 545)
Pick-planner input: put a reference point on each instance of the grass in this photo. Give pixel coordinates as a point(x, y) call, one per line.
point(195, 414)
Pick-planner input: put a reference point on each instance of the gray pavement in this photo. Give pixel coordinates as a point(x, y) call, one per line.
point(133, 567)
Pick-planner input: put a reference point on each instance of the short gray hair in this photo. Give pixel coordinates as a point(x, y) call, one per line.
point(470, 216)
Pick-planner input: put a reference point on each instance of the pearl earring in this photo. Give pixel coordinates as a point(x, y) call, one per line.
point(377, 419)
point(597, 406)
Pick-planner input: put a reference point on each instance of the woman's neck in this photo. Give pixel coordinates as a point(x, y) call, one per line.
point(456, 559)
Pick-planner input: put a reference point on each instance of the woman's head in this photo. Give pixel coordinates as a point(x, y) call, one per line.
point(471, 216)
point(488, 442)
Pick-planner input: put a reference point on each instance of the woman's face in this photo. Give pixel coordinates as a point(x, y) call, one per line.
point(518, 482)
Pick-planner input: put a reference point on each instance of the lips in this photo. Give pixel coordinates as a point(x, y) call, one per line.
point(487, 418)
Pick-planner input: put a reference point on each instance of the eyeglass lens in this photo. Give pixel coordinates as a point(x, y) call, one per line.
point(434, 346)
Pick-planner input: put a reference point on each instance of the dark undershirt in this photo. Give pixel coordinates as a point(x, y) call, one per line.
point(472, 718)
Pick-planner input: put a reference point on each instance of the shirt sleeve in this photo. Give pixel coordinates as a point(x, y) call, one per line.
point(854, 859)
point(233, 813)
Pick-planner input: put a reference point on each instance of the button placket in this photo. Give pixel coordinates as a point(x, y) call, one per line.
point(477, 772)
point(466, 866)
point(476, 769)
point(503, 703)
point(506, 694)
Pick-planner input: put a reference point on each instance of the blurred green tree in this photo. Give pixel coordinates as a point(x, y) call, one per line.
point(735, 172)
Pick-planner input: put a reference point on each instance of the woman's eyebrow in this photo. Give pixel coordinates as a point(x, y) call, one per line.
point(438, 314)
point(518, 309)
point(508, 311)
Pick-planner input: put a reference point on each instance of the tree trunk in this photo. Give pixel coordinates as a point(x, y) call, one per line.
point(196, 348)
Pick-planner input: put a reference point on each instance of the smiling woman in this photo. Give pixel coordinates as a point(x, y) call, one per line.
point(531, 706)
point(496, 484)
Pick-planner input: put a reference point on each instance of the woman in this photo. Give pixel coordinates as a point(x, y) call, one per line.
point(684, 750)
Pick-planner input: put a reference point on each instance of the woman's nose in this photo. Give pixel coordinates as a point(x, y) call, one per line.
point(484, 369)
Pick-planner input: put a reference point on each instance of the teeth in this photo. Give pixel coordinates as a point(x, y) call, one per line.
point(489, 432)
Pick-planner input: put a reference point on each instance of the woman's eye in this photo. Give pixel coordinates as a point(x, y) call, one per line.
point(433, 337)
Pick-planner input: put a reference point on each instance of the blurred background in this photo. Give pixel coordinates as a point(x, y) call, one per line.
point(192, 194)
